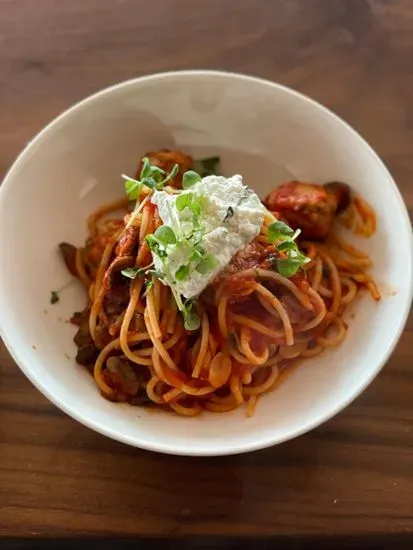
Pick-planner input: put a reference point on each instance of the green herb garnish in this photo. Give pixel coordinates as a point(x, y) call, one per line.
point(191, 317)
point(159, 240)
point(287, 267)
point(153, 275)
point(171, 174)
point(156, 246)
point(283, 236)
point(190, 178)
point(133, 272)
point(207, 264)
point(165, 235)
point(188, 200)
point(285, 246)
point(149, 284)
point(184, 200)
point(279, 230)
point(54, 297)
point(198, 235)
point(208, 166)
point(132, 188)
point(152, 176)
point(182, 273)
point(197, 255)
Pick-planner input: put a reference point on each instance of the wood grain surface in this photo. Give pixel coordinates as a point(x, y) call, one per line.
point(354, 474)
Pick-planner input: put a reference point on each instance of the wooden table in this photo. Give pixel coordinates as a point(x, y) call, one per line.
point(354, 474)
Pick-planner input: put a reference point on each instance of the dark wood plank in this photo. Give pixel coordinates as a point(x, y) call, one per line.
point(282, 542)
point(352, 475)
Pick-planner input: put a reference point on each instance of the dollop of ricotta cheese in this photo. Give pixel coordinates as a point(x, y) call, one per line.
point(231, 215)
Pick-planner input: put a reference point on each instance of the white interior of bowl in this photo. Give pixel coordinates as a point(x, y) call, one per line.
point(264, 131)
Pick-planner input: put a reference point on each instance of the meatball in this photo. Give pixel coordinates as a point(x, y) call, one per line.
point(309, 206)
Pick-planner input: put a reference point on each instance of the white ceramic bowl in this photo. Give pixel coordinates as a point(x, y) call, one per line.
point(262, 130)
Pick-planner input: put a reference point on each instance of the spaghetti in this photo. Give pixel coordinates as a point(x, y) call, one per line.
point(254, 322)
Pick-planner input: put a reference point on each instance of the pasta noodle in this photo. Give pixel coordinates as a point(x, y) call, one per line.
point(253, 323)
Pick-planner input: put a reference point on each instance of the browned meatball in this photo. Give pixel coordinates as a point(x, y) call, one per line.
point(309, 206)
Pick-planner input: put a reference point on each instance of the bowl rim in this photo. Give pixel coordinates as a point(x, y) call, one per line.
point(267, 440)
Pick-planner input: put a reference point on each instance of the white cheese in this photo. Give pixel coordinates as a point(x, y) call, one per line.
point(231, 216)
